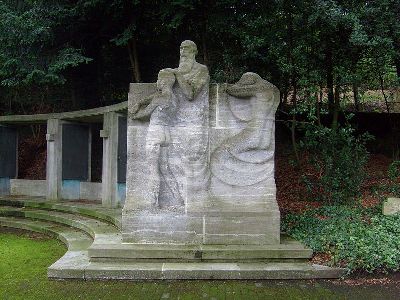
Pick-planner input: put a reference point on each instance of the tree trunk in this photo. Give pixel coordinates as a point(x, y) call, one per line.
point(134, 59)
point(205, 7)
point(73, 95)
point(294, 122)
point(289, 16)
point(383, 93)
point(397, 63)
point(329, 77)
point(336, 108)
point(356, 97)
point(205, 50)
point(284, 98)
point(318, 101)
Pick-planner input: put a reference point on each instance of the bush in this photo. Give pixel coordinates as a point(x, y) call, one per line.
point(359, 239)
point(338, 158)
point(394, 170)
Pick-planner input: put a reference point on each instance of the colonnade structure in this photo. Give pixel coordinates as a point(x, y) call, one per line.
point(69, 152)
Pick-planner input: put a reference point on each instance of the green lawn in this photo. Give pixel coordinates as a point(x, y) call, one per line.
point(24, 258)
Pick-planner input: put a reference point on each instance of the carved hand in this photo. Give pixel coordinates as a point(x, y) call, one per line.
point(135, 108)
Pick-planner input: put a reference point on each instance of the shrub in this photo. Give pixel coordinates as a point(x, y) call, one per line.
point(338, 158)
point(394, 170)
point(360, 239)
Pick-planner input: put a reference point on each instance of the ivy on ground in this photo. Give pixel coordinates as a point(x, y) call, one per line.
point(355, 237)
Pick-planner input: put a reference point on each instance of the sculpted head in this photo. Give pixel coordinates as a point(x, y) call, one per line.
point(165, 79)
point(247, 86)
point(188, 52)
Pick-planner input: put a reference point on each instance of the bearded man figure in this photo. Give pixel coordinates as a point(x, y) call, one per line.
point(190, 74)
point(191, 128)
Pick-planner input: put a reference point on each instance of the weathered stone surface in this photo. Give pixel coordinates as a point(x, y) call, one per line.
point(173, 271)
point(201, 161)
point(54, 159)
point(109, 133)
point(90, 190)
point(168, 151)
point(28, 187)
point(129, 252)
point(391, 206)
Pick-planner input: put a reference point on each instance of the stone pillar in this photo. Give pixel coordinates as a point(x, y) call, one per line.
point(54, 159)
point(8, 157)
point(110, 160)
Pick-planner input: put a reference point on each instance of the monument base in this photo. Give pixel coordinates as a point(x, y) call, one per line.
point(288, 260)
point(195, 228)
point(288, 250)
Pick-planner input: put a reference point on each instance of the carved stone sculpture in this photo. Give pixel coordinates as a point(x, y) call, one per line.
point(176, 137)
point(242, 160)
point(161, 107)
point(200, 167)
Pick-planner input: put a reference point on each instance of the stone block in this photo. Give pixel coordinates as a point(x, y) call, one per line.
point(70, 189)
point(391, 206)
point(90, 190)
point(26, 187)
point(164, 228)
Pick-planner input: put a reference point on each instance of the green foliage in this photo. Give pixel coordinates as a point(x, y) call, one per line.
point(394, 170)
point(358, 238)
point(338, 158)
point(30, 52)
point(290, 43)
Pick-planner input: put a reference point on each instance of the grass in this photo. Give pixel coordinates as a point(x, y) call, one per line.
point(24, 258)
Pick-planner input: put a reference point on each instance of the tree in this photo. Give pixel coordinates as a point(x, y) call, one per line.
point(32, 52)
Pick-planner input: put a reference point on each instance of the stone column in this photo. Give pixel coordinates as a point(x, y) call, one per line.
point(54, 159)
point(8, 157)
point(110, 160)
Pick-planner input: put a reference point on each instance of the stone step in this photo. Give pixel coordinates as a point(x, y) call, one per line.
point(288, 249)
point(224, 271)
point(100, 231)
point(111, 259)
point(75, 260)
point(73, 238)
point(75, 263)
point(86, 208)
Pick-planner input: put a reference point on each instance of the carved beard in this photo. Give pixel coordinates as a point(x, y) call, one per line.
point(185, 64)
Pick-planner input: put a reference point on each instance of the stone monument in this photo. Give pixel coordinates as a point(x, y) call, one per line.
point(201, 159)
point(201, 195)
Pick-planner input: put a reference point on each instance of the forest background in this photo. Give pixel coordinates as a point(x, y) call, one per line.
point(57, 55)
